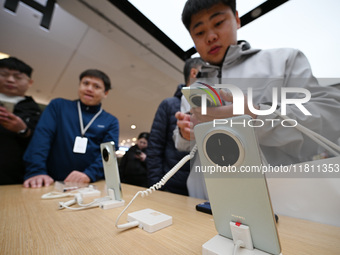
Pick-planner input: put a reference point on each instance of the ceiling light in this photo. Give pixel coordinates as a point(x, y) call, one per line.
point(3, 55)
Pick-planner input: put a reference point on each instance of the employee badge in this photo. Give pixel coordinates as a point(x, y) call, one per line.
point(80, 145)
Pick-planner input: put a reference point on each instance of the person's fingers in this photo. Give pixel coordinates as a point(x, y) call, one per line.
point(39, 182)
point(178, 115)
point(48, 181)
point(26, 184)
point(226, 96)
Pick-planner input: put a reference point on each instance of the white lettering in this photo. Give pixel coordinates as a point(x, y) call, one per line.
point(252, 123)
point(297, 101)
point(239, 104)
point(219, 122)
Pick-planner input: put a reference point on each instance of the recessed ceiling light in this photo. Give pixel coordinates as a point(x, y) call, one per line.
point(3, 55)
point(133, 126)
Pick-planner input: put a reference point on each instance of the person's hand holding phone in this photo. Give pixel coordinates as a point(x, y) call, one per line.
point(140, 155)
point(10, 121)
point(185, 125)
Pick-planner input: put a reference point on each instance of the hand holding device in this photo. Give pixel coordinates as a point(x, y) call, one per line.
point(12, 122)
point(185, 126)
point(201, 94)
point(8, 105)
point(138, 152)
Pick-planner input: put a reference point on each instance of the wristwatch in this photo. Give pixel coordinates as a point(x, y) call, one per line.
point(23, 132)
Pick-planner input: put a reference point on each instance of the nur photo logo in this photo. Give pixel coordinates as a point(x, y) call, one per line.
point(239, 99)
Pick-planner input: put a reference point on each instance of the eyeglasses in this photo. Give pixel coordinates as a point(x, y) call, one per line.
point(16, 75)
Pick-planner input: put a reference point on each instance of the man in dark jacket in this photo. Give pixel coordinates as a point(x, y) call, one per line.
point(162, 154)
point(17, 124)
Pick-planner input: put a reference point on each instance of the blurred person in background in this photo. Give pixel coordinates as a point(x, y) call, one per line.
point(16, 125)
point(162, 153)
point(132, 167)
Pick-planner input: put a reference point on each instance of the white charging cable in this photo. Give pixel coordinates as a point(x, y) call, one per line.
point(319, 139)
point(77, 195)
point(78, 199)
point(154, 187)
point(237, 246)
point(57, 194)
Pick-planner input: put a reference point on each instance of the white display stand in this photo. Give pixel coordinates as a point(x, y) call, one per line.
point(113, 203)
point(219, 245)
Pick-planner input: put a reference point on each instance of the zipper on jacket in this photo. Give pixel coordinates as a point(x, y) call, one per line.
point(219, 75)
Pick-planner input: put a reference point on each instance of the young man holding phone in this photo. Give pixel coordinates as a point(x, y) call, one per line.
point(213, 26)
point(19, 114)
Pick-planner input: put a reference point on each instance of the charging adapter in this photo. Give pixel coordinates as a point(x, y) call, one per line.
point(241, 233)
point(150, 220)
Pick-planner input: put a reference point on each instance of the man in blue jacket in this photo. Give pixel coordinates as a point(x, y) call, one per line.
point(162, 154)
point(66, 142)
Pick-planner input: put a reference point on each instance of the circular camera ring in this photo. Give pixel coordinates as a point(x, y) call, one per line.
point(196, 99)
point(223, 148)
point(106, 154)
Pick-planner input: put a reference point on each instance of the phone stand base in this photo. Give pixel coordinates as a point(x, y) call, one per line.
point(219, 245)
point(111, 204)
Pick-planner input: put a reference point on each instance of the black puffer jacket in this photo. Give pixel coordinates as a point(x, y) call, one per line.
point(13, 146)
point(161, 153)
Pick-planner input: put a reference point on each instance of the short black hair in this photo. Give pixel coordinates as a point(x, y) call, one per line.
point(192, 7)
point(13, 63)
point(144, 135)
point(98, 74)
point(189, 64)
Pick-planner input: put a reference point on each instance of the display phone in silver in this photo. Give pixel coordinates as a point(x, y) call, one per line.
point(111, 170)
point(231, 162)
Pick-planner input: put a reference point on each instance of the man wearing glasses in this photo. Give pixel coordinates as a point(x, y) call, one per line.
point(19, 115)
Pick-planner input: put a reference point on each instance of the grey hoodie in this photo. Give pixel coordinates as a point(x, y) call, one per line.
point(263, 70)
